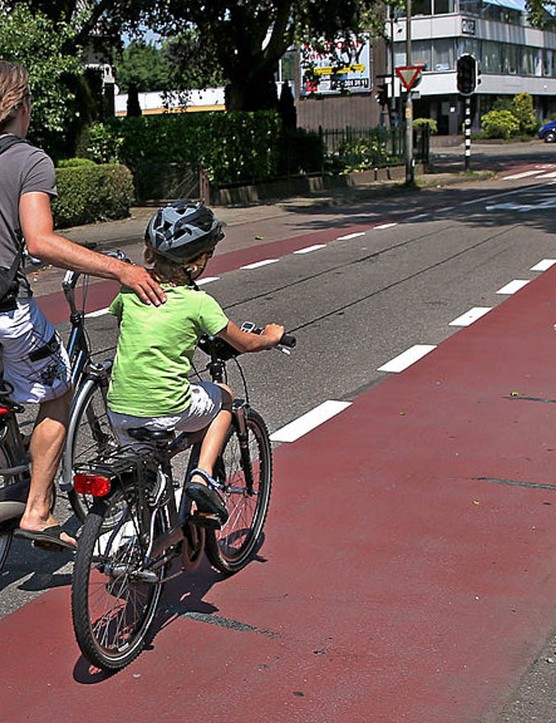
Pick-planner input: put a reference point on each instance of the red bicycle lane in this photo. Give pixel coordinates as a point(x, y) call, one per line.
point(407, 571)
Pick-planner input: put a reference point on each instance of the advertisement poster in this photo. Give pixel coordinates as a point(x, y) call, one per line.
point(341, 66)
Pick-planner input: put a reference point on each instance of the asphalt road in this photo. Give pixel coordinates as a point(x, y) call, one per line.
point(372, 280)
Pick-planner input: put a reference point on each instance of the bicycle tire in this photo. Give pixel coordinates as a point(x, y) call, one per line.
point(231, 548)
point(112, 611)
point(7, 459)
point(89, 435)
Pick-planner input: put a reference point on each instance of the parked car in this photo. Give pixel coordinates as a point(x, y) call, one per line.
point(548, 131)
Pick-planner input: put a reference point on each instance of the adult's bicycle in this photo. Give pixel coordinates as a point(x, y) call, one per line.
point(88, 421)
point(141, 521)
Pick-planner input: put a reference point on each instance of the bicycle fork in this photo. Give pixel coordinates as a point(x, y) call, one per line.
point(240, 411)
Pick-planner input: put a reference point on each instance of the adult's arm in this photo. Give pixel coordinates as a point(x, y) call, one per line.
point(37, 227)
point(245, 342)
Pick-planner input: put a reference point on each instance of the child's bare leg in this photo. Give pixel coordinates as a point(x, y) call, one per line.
point(207, 499)
point(216, 433)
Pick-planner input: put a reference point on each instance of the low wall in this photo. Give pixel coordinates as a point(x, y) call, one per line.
point(304, 185)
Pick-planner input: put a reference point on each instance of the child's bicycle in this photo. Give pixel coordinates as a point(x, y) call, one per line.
point(141, 521)
point(89, 428)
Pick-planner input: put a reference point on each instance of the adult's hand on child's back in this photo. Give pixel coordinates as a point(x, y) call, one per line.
point(143, 283)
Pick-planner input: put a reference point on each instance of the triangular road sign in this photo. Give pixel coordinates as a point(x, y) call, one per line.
point(408, 74)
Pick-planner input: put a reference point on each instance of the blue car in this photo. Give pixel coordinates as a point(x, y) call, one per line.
point(548, 132)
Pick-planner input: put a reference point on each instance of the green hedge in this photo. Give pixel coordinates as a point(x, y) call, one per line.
point(230, 147)
point(92, 193)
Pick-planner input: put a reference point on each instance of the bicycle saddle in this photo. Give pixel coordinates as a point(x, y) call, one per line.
point(142, 434)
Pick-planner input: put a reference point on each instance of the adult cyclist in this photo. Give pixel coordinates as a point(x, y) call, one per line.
point(35, 361)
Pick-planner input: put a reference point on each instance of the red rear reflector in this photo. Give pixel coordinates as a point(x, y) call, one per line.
point(3, 410)
point(91, 484)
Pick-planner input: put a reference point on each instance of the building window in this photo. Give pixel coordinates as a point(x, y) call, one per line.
point(443, 54)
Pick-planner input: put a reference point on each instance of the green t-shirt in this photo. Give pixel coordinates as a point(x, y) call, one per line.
point(155, 349)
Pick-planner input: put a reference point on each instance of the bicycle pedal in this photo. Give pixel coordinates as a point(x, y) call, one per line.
point(206, 519)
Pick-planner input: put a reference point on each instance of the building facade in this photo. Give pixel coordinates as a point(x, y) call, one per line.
point(512, 56)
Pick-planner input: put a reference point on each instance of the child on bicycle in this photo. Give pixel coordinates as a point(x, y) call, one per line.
point(150, 386)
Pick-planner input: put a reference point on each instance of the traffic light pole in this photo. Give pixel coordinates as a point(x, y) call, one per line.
point(409, 167)
point(467, 133)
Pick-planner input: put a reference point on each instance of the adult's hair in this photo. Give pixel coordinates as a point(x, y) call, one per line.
point(14, 88)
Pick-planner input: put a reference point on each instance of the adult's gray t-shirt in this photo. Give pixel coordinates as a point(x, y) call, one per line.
point(23, 169)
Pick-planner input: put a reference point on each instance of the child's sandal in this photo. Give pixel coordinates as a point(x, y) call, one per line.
point(211, 508)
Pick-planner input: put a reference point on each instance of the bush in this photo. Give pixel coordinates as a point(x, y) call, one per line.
point(365, 151)
point(231, 147)
point(522, 108)
point(92, 193)
point(499, 124)
point(75, 162)
point(430, 122)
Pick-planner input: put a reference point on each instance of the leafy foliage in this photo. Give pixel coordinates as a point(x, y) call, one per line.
point(499, 124)
point(92, 193)
point(430, 122)
point(40, 44)
point(230, 147)
point(522, 108)
point(144, 66)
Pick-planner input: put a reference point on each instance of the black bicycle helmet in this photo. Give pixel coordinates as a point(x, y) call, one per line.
point(182, 230)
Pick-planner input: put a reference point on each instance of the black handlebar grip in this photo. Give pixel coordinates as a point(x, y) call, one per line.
point(288, 340)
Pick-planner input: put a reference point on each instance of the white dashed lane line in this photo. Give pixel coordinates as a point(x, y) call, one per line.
point(543, 265)
point(310, 249)
point(350, 236)
point(384, 225)
point(98, 312)
point(513, 286)
point(207, 280)
point(258, 264)
point(407, 358)
point(517, 176)
point(470, 316)
point(309, 421)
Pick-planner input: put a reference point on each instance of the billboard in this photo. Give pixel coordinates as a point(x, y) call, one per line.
point(336, 67)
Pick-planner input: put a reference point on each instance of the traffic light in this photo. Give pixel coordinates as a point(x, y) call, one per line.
point(382, 94)
point(466, 74)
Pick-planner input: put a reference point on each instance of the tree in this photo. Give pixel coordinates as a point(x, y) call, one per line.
point(36, 41)
point(144, 66)
point(247, 38)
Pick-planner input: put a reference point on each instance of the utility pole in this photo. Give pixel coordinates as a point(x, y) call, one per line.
point(409, 167)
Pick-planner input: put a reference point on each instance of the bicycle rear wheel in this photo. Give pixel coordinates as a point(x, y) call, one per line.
point(232, 547)
point(6, 526)
point(89, 435)
point(114, 599)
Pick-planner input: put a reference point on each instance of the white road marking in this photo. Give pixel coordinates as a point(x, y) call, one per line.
point(309, 421)
point(543, 265)
point(350, 236)
point(385, 225)
point(99, 312)
point(418, 217)
point(513, 286)
point(407, 358)
point(516, 176)
point(308, 249)
point(446, 208)
point(207, 280)
point(470, 316)
point(548, 175)
point(258, 264)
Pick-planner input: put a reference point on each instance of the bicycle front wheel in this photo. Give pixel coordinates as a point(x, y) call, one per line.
point(89, 435)
point(113, 597)
point(231, 548)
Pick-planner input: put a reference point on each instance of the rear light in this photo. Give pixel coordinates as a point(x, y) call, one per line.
point(91, 484)
point(4, 410)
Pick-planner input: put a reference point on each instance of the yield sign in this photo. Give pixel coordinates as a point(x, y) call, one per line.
point(408, 74)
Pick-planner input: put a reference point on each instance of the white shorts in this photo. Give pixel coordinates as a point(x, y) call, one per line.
point(206, 401)
point(34, 359)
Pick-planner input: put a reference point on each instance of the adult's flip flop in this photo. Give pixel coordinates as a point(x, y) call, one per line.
point(48, 539)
